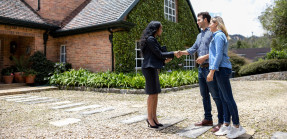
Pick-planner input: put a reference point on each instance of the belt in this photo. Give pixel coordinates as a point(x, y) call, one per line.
point(205, 65)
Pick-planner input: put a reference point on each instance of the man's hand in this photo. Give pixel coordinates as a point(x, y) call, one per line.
point(177, 54)
point(201, 59)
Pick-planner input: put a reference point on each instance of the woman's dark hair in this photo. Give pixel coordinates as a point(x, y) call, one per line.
point(150, 30)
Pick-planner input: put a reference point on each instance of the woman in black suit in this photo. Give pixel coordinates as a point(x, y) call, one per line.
point(154, 58)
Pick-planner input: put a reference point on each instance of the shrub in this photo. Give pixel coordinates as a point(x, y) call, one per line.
point(264, 66)
point(277, 54)
point(62, 67)
point(108, 79)
point(237, 62)
point(42, 66)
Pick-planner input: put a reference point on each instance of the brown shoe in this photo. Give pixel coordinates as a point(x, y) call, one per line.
point(204, 123)
point(216, 128)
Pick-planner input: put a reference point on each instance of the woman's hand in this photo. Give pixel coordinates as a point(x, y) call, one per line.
point(167, 60)
point(210, 76)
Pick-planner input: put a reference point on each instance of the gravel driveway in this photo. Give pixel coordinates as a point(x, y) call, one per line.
point(261, 104)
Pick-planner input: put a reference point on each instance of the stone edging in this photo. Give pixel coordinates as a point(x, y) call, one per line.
point(265, 76)
point(125, 91)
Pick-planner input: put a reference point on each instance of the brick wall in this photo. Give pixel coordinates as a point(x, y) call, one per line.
point(55, 9)
point(91, 51)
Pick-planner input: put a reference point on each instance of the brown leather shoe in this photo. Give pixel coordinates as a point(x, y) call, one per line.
point(216, 128)
point(204, 123)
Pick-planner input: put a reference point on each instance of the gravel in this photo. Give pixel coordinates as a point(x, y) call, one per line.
point(261, 105)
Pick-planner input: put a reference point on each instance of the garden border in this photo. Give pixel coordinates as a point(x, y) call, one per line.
point(282, 75)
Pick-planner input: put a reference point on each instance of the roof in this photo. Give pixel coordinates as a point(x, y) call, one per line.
point(251, 53)
point(91, 15)
point(17, 12)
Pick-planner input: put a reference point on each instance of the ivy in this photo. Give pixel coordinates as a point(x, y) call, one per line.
point(176, 36)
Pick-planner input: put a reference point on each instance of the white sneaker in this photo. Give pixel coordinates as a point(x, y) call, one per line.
point(236, 132)
point(223, 130)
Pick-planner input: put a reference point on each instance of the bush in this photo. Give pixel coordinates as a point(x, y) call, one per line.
point(62, 67)
point(84, 77)
point(237, 62)
point(264, 66)
point(277, 54)
point(42, 66)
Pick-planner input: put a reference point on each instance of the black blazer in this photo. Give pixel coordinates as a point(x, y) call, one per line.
point(154, 55)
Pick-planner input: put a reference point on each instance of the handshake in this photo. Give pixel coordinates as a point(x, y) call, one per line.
point(178, 53)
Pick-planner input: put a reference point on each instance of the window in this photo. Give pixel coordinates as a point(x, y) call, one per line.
point(139, 59)
point(170, 10)
point(63, 54)
point(189, 62)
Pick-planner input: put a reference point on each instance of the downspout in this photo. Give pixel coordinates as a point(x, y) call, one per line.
point(111, 36)
point(39, 7)
point(45, 39)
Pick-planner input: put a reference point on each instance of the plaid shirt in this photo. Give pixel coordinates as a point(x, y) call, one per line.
point(201, 45)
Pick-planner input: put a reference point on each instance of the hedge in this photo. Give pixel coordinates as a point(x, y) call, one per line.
point(264, 66)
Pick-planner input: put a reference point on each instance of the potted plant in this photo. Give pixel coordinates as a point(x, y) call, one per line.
point(21, 64)
point(7, 75)
point(30, 76)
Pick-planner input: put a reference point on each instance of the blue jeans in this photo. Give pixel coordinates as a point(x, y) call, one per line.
point(205, 88)
point(225, 93)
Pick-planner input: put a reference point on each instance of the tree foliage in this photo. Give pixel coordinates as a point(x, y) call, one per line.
point(274, 20)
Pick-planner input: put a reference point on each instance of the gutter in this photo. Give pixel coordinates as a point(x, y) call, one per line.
point(100, 27)
point(29, 24)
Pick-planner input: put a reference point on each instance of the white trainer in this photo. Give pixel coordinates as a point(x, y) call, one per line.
point(223, 130)
point(236, 132)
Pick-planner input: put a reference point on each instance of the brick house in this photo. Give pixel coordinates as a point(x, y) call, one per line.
point(74, 31)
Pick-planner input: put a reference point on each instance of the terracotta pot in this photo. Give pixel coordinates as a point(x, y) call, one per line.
point(19, 78)
point(8, 79)
point(30, 79)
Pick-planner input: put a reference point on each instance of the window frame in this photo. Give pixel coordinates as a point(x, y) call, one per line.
point(171, 11)
point(63, 54)
point(189, 62)
point(138, 57)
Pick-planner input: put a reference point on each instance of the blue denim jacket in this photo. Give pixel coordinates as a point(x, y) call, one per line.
point(201, 44)
point(218, 52)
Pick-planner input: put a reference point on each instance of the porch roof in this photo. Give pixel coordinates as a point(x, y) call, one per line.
point(18, 12)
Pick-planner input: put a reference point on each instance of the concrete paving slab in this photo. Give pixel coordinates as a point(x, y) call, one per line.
point(135, 119)
point(59, 103)
point(67, 106)
point(33, 99)
point(65, 122)
point(193, 131)
point(97, 111)
point(41, 101)
point(279, 135)
point(25, 98)
point(25, 89)
point(120, 114)
point(167, 122)
point(13, 96)
point(82, 108)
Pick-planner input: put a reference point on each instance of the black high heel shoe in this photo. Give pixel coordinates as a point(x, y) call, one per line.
point(159, 124)
point(149, 125)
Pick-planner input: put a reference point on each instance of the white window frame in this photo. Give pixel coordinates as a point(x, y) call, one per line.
point(170, 11)
point(138, 57)
point(63, 54)
point(189, 62)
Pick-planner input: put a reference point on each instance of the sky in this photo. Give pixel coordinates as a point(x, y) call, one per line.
point(239, 16)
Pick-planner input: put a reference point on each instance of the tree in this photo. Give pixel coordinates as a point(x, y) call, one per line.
point(274, 20)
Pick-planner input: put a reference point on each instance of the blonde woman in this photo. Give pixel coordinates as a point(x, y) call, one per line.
point(220, 67)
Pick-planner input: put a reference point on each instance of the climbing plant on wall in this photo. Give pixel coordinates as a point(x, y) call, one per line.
point(176, 36)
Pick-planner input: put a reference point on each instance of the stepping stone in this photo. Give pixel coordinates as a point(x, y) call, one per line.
point(279, 135)
point(167, 122)
point(14, 96)
point(65, 122)
point(248, 135)
point(33, 99)
point(138, 106)
point(83, 108)
point(67, 106)
point(62, 102)
point(193, 131)
point(97, 111)
point(18, 99)
point(135, 119)
point(41, 101)
point(120, 114)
